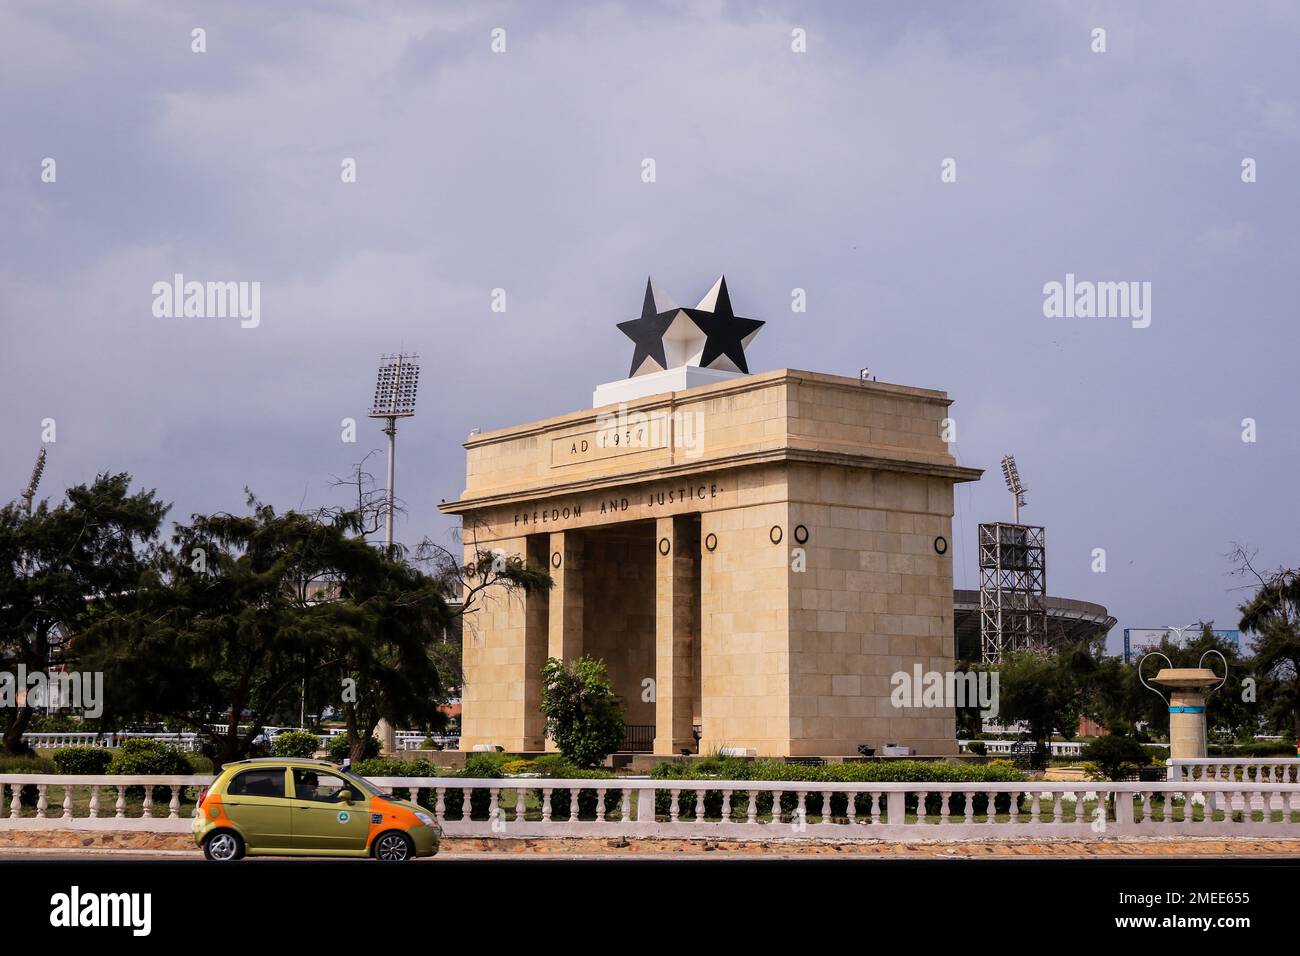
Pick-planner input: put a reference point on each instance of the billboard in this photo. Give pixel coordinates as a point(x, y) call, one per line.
point(1138, 640)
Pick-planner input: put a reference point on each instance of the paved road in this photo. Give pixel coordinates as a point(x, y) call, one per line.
point(86, 855)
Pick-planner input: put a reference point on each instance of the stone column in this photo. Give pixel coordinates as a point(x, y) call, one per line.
point(677, 631)
point(1187, 724)
point(565, 632)
point(1188, 688)
point(387, 737)
point(537, 626)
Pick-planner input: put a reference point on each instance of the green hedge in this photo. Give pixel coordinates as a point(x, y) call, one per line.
point(82, 760)
point(144, 756)
point(872, 771)
point(295, 743)
point(1259, 748)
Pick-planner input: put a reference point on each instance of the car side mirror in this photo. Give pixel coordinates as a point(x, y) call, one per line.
point(345, 796)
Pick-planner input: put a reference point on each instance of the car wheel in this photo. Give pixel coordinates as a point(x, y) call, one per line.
point(394, 846)
point(223, 846)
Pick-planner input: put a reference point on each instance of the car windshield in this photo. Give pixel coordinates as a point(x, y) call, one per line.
point(363, 785)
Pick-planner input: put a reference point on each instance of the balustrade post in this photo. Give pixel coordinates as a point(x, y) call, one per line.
point(672, 808)
point(751, 808)
point(726, 806)
point(41, 802)
point(520, 793)
point(1123, 810)
point(16, 805)
point(573, 805)
point(148, 802)
point(546, 804)
point(600, 805)
point(440, 804)
point(67, 801)
point(120, 806)
point(826, 808)
point(174, 808)
point(897, 808)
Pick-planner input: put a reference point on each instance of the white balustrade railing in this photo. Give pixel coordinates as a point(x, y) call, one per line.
point(1249, 769)
point(54, 740)
point(859, 811)
point(106, 796)
point(732, 809)
point(1060, 748)
point(1245, 770)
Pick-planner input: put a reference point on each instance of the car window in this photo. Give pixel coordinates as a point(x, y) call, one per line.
point(267, 782)
point(319, 786)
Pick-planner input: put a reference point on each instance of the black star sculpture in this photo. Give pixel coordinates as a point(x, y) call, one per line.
point(647, 332)
point(726, 333)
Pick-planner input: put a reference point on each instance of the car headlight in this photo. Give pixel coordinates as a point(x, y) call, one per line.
point(425, 819)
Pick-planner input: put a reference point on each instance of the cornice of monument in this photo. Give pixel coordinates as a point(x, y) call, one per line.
point(718, 390)
point(698, 467)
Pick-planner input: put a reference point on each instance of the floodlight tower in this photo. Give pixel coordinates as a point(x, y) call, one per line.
point(29, 492)
point(395, 387)
point(1011, 474)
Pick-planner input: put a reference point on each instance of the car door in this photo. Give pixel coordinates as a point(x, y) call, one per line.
point(321, 818)
point(257, 802)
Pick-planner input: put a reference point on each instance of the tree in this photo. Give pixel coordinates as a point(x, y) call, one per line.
point(1116, 697)
point(1044, 690)
point(582, 714)
point(62, 566)
point(1273, 614)
point(244, 611)
point(1115, 755)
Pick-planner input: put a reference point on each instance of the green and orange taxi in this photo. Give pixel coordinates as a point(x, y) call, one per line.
point(277, 806)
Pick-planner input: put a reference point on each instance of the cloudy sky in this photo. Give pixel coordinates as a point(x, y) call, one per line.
point(522, 170)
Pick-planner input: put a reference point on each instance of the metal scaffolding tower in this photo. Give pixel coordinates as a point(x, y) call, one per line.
point(1013, 586)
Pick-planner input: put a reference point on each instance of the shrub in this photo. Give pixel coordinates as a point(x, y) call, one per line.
point(901, 771)
point(339, 749)
point(199, 763)
point(582, 714)
point(1257, 748)
point(978, 747)
point(295, 743)
point(1116, 756)
point(82, 760)
point(143, 756)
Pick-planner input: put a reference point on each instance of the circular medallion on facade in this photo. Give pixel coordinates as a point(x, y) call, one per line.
point(555, 560)
point(711, 541)
point(800, 533)
point(941, 544)
point(665, 546)
point(776, 534)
